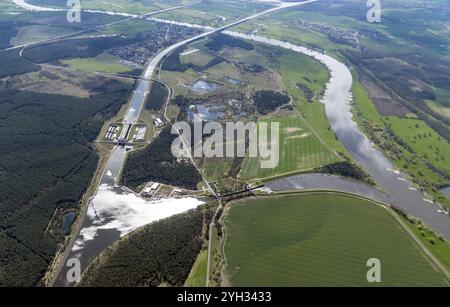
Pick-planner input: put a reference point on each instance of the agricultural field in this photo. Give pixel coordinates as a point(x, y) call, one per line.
point(104, 62)
point(188, 15)
point(121, 6)
point(320, 239)
point(438, 108)
point(36, 33)
point(215, 13)
point(299, 151)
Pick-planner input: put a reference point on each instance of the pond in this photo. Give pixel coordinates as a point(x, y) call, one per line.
point(203, 87)
point(68, 220)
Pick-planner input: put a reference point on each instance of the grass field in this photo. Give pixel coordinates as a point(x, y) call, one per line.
point(196, 57)
point(295, 68)
point(103, 63)
point(363, 104)
point(299, 150)
point(439, 247)
point(423, 140)
point(216, 168)
point(320, 239)
point(36, 33)
point(123, 6)
point(197, 277)
point(436, 107)
point(213, 13)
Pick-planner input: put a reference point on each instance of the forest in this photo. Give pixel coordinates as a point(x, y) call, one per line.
point(267, 101)
point(74, 48)
point(11, 64)
point(160, 254)
point(157, 97)
point(46, 163)
point(218, 41)
point(346, 169)
point(8, 29)
point(156, 163)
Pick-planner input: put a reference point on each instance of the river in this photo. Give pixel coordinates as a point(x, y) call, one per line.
point(337, 100)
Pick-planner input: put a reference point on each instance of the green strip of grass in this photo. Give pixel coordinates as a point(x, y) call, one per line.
point(197, 277)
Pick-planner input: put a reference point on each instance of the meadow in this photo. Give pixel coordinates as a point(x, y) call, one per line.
point(102, 63)
point(123, 6)
point(197, 276)
point(423, 140)
point(320, 239)
point(299, 151)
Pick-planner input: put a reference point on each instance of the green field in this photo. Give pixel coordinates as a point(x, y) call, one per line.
point(123, 6)
point(196, 57)
point(214, 13)
point(363, 104)
point(423, 140)
point(197, 277)
point(434, 242)
point(36, 33)
point(320, 239)
point(103, 63)
point(299, 151)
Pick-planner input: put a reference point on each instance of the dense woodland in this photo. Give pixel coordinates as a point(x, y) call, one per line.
point(157, 97)
point(218, 41)
point(161, 253)
point(156, 163)
point(267, 101)
point(74, 48)
point(346, 169)
point(11, 64)
point(46, 162)
point(173, 63)
point(8, 29)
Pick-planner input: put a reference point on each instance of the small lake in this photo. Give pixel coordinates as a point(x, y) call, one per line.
point(203, 87)
point(68, 220)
